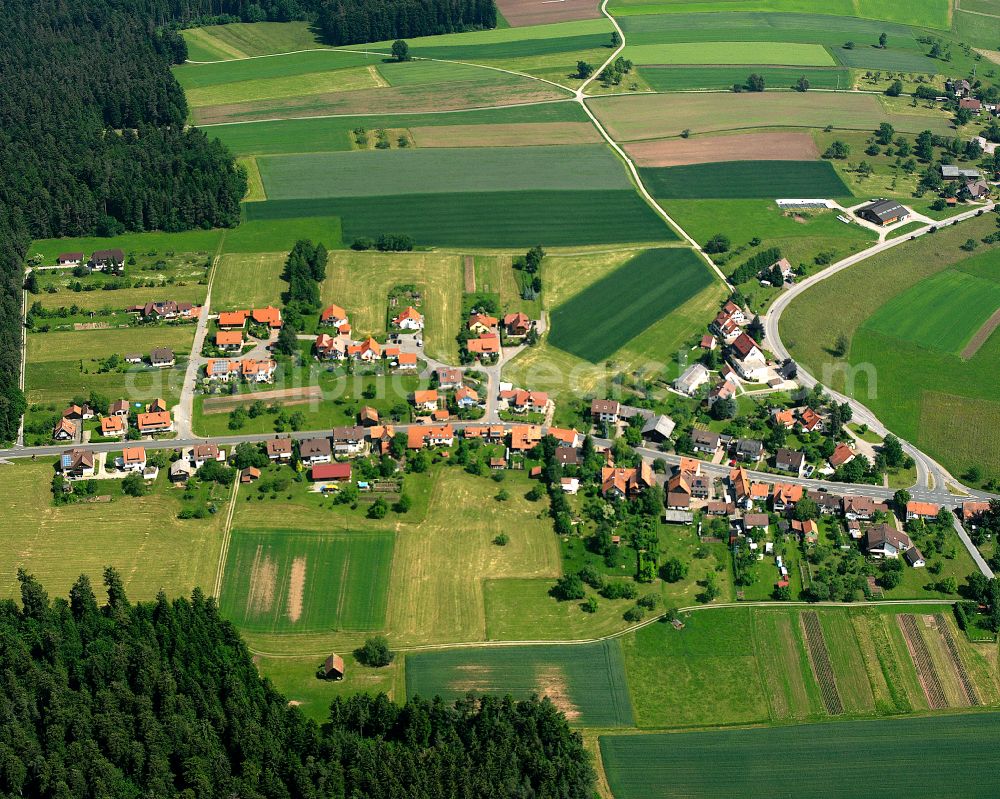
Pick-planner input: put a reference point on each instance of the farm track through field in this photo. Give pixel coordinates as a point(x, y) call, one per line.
point(981, 336)
point(469, 264)
point(929, 679)
point(819, 657)
point(967, 685)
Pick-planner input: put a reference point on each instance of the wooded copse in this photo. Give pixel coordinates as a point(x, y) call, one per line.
point(163, 699)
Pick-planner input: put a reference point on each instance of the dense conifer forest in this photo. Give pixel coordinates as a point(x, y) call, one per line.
point(357, 21)
point(163, 699)
point(92, 141)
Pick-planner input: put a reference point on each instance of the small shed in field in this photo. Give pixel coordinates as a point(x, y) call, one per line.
point(333, 668)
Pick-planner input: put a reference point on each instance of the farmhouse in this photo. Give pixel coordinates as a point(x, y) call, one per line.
point(279, 449)
point(679, 492)
point(76, 464)
point(618, 483)
point(692, 379)
point(229, 340)
point(960, 87)
point(232, 320)
point(977, 189)
point(69, 259)
point(921, 510)
point(315, 450)
point(970, 104)
point(333, 472)
point(885, 541)
point(159, 422)
point(162, 357)
point(658, 428)
point(269, 316)
point(409, 319)
point(114, 426)
point(883, 212)
point(748, 359)
point(333, 315)
point(349, 440)
point(165, 309)
point(132, 357)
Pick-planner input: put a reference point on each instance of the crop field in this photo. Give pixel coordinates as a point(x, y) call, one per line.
point(673, 79)
point(586, 682)
point(527, 12)
point(657, 116)
point(252, 90)
point(334, 134)
point(248, 281)
point(940, 313)
point(722, 52)
point(141, 537)
point(925, 13)
point(225, 73)
point(300, 581)
point(62, 365)
point(255, 186)
point(745, 179)
point(495, 219)
point(442, 171)
point(764, 146)
point(822, 761)
point(630, 299)
point(490, 89)
point(360, 283)
point(934, 398)
point(894, 60)
point(515, 135)
point(280, 234)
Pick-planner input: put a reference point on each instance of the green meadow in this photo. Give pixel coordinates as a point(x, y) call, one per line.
point(723, 52)
point(679, 78)
point(745, 179)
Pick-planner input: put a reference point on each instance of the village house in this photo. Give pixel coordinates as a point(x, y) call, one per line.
point(482, 324)
point(566, 437)
point(380, 438)
point(331, 472)
point(350, 440)
point(857, 507)
point(269, 316)
point(921, 510)
point(333, 316)
point(811, 421)
point(750, 450)
point(229, 340)
point(466, 397)
point(728, 322)
point(977, 189)
point(828, 504)
point(331, 348)
point(203, 453)
point(409, 319)
point(755, 521)
point(132, 459)
point(65, 430)
point(181, 471)
point(970, 104)
point(406, 361)
point(517, 324)
point(790, 460)
point(569, 485)
point(567, 456)
point(492, 434)
point(249, 474)
point(783, 417)
point(157, 405)
point(972, 512)
point(705, 441)
point(254, 371)
point(679, 492)
point(315, 450)
point(114, 426)
point(842, 455)
point(785, 496)
point(367, 351)
point(368, 416)
point(107, 260)
point(150, 423)
point(487, 344)
point(430, 436)
point(619, 483)
point(739, 482)
point(119, 408)
point(720, 391)
point(521, 401)
point(69, 259)
point(807, 531)
point(748, 359)
point(708, 342)
point(693, 378)
point(426, 400)
point(132, 358)
point(162, 357)
point(885, 541)
point(76, 464)
point(960, 87)
point(605, 411)
point(232, 320)
point(279, 449)
point(525, 437)
point(78, 413)
point(448, 378)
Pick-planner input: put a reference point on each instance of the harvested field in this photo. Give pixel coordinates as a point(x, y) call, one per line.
point(514, 135)
point(981, 336)
point(287, 396)
point(709, 149)
point(469, 267)
point(260, 599)
point(296, 586)
point(926, 672)
point(249, 280)
point(522, 13)
point(497, 89)
point(819, 657)
point(968, 686)
point(586, 682)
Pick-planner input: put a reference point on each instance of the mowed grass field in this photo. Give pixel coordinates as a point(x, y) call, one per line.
point(360, 284)
point(141, 537)
point(335, 134)
point(305, 581)
point(745, 179)
point(442, 171)
point(754, 665)
point(248, 280)
point(603, 317)
point(586, 682)
point(656, 116)
point(672, 79)
point(930, 396)
point(723, 52)
point(822, 761)
point(492, 219)
point(61, 365)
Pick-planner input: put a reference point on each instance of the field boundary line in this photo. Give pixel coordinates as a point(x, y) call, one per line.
point(662, 617)
point(227, 535)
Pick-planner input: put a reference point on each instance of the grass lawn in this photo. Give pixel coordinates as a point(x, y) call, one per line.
point(441, 170)
point(360, 283)
point(827, 760)
point(248, 281)
point(932, 397)
point(722, 52)
point(302, 581)
point(141, 537)
point(493, 219)
point(678, 78)
point(744, 179)
point(657, 116)
point(585, 682)
point(632, 298)
point(280, 234)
